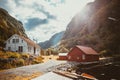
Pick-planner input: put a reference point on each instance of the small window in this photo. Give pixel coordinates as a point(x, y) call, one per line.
point(13, 41)
point(9, 48)
point(78, 58)
point(69, 57)
point(83, 57)
point(22, 41)
point(17, 40)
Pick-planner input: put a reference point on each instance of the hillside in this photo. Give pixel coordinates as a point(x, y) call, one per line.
point(9, 26)
point(53, 41)
point(97, 26)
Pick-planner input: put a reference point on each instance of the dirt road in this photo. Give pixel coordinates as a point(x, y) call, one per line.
point(28, 72)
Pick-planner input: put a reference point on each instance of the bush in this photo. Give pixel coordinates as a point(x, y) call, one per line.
point(1, 54)
point(13, 59)
point(24, 55)
point(11, 55)
point(104, 53)
point(40, 58)
point(20, 62)
point(7, 66)
point(37, 60)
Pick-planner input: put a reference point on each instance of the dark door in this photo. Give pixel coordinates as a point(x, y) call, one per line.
point(20, 49)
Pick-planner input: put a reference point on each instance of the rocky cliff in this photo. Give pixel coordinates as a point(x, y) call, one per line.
point(9, 26)
point(97, 26)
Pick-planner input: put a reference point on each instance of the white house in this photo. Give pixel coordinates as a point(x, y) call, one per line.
point(22, 44)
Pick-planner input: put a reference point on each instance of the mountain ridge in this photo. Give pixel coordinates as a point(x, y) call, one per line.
point(53, 41)
point(97, 27)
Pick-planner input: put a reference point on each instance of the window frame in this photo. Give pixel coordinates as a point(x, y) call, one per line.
point(13, 41)
point(17, 40)
point(83, 57)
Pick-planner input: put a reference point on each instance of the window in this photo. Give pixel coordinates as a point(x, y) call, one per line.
point(22, 41)
point(17, 40)
point(83, 57)
point(78, 58)
point(13, 41)
point(69, 57)
point(9, 48)
point(20, 48)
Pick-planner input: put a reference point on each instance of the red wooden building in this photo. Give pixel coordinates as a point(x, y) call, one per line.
point(82, 54)
point(62, 56)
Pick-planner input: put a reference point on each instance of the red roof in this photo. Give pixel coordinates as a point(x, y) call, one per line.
point(87, 50)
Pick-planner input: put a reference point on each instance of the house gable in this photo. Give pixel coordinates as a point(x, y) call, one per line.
point(10, 38)
point(75, 50)
point(75, 54)
point(16, 39)
point(28, 41)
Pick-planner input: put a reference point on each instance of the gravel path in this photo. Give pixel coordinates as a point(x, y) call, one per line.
point(31, 69)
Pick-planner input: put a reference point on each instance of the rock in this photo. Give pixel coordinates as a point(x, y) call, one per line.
point(9, 26)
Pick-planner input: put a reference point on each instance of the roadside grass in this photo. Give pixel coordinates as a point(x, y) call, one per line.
point(17, 77)
point(13, 59)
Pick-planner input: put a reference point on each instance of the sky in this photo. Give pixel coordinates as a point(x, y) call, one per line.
point(43, 18)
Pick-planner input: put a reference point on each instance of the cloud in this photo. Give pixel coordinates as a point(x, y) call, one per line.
point(34, 22)
point(3, 4)
point(43, 18)
point(55, 2)
point(42, 10)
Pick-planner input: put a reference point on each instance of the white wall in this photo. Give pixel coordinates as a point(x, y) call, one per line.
point(14, 46)
point(31, 50)
point(38, 50)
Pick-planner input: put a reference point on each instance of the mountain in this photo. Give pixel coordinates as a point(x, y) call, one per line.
point(53, 41)
point(97, 26)
point(9, 26)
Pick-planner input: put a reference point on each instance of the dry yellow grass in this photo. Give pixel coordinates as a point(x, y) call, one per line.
point(15, 77)
point(51, 57)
